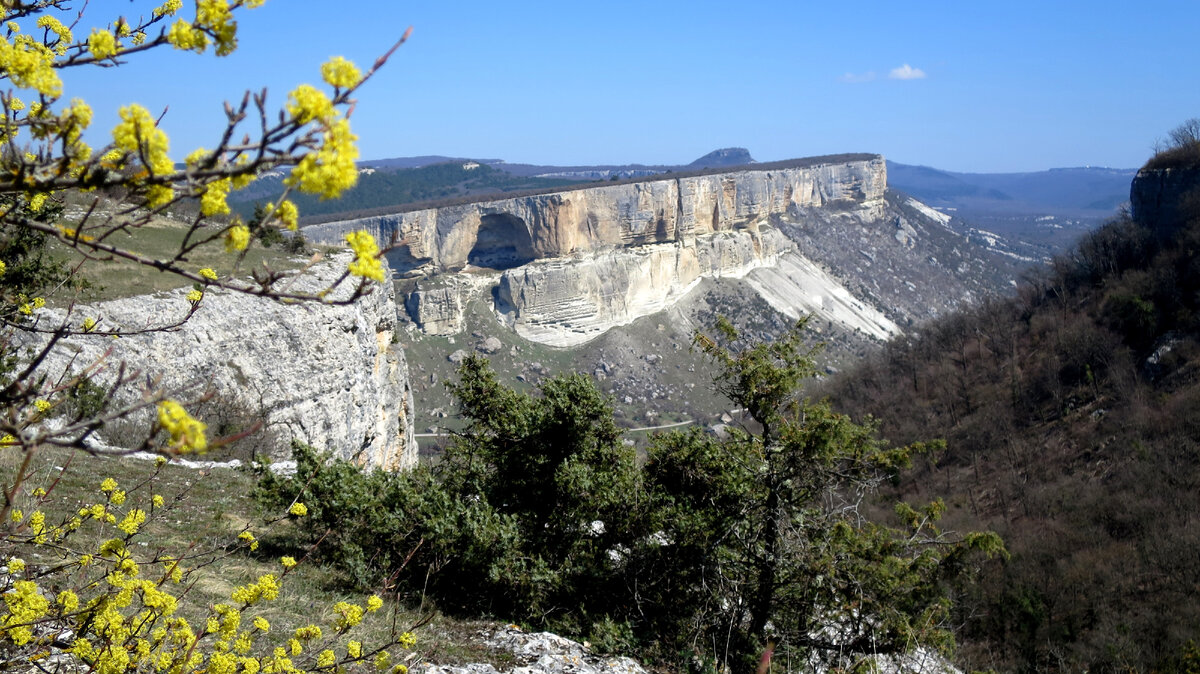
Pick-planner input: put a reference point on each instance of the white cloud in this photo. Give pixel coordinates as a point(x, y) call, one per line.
point(906, 72)
point(855, 79)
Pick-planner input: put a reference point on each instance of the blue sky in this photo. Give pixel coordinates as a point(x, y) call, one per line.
point(967, 86)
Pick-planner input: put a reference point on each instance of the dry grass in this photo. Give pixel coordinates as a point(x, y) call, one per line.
point(159, 239)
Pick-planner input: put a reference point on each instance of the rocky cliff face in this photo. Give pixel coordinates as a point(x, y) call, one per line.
point(565, 302)
point(329, 376)
point(572, 264)
point(510, 232)
point(1163, 199)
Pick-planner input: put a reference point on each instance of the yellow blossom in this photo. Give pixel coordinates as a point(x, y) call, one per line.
point(287, 213)
point(187, 432)
point(308, 633)
point(158, 501)
point(287, 562)
point(249, 538)
point(68, 600)
point(102, 44)
point(183, 35)
point(350, 614)
point(108, 485)
point(133, 520)
point(354, 649)
point(374, 603)
point(89, 324)
point(25, 605)
point(407, 640)
point(195, 296)
point(212, 202)
point(139, 135)
point(42, 405)
point(237, 238)
point(338, 72)
point(16, 565)
point(306, 103)
point(330, 170)
point(208, 273)
point(168, 8)
point(298, 509)
point(366, 261)
point(262, 624)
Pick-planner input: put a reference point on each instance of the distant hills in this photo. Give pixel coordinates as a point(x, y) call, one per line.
point(1040, 212)
point(1048, 210)
point(1068, 192)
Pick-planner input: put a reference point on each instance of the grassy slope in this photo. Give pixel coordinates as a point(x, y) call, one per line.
point(160, 239)
point(205, 510)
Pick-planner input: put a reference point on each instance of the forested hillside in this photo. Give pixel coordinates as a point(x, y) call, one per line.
point(1070, 416)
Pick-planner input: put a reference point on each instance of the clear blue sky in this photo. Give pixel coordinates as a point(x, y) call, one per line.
point(968, 86)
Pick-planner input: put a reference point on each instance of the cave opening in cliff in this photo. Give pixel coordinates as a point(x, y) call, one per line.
point(503, 242)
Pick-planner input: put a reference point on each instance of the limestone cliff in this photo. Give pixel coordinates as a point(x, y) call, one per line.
point(329, 376)
point(575, 263)
point(565, 302)
point(505, 233)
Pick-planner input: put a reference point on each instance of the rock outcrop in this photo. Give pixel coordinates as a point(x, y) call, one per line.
point(569, 265)
point(565, 302)
point(329, 376)
point(1164, 199)
point(506, 233)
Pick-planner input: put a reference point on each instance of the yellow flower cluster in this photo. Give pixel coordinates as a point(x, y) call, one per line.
point(349, 615)
point(134, 519)
point(102, 44)
point(25, 606)
point(338, 72)
point(249, 538)
point(63, 33)
point(266, 588)
point(168, 8)
point(287, 213)
point(237, 238)
point(138, 135)
point(366, 256)
point(215, 17)
point(194, 296)
point(298, 509)
point(212, 202)
point(187, 433)
point(29, 64)
point(331, 169)
point(307, 103)
point(208, 274)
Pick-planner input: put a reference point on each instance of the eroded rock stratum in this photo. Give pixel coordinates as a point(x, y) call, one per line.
point(563, 267)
